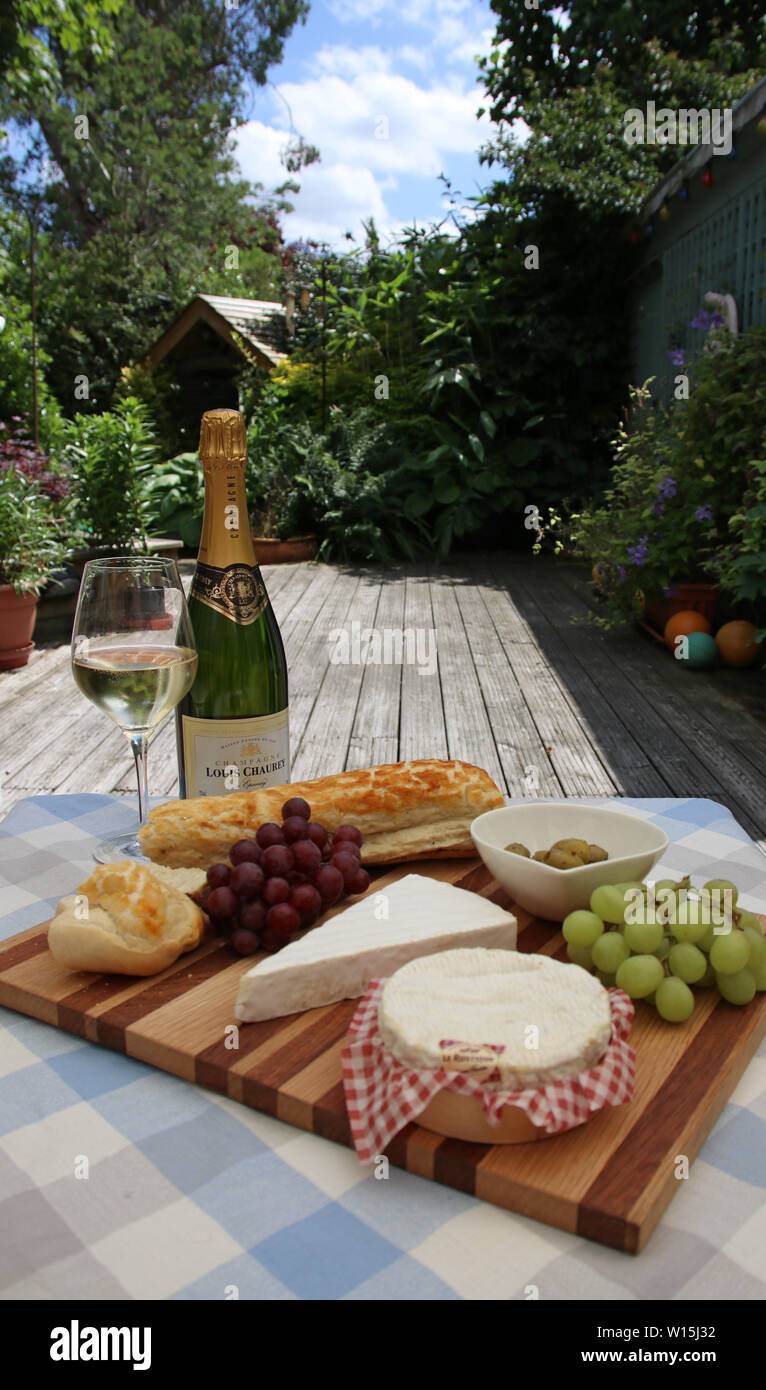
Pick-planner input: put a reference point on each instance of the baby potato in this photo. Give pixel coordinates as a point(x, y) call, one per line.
point(596, 854)
point(516, 848)
point(573, 846)
point(564, 859)
point(541, 855)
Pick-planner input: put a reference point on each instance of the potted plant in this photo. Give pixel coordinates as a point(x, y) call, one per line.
point(31, 549)
point(660, 539)
point(740, 565)
point(271, 526)
point(279, 484)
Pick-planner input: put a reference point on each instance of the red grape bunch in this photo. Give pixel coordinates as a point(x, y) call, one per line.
point(282, 880)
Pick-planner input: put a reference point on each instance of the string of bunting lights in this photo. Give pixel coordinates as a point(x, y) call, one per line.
point(684, 192)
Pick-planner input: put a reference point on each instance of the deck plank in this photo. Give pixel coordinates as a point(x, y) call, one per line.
point(334, 686)
point(422, 730)
point(374, 735)
point(469, 733)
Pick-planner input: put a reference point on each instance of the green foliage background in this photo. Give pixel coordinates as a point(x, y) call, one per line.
point(436, 387)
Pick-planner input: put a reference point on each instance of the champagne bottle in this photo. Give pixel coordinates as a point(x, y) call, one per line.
point(232, 727)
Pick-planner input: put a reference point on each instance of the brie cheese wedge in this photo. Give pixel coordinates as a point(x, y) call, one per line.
point(415, 916)
point(514, 1021)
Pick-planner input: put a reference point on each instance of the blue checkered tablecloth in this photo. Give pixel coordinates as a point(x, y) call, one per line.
point(189, 1195)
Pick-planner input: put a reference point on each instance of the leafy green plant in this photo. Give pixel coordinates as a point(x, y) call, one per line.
point(173, 496)
point(109, 457)
point(357, 500)
point(16, 364)
point(31, 545)
point(677, 508)
point(494, 387)
point(340, 486)
point(740, 567)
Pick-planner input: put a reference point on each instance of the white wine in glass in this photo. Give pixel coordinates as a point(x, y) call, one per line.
point(133, 655)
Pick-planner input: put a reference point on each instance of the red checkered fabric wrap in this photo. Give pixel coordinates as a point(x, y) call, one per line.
point(383, 1095)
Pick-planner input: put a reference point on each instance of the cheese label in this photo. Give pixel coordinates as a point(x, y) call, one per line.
point(478, 1060)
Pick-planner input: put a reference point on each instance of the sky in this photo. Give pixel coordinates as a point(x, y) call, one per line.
point(388, 91)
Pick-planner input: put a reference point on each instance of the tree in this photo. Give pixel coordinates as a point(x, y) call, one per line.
point(144, 203)
point(571, 73)
point(29, 29)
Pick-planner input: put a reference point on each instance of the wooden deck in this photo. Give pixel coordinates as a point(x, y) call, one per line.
point(548, 705)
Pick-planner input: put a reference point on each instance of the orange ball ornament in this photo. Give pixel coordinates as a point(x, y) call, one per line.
point(682, 624)
point(736, 644)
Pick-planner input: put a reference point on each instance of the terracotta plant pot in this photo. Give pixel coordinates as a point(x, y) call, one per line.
point(701, 598)
point(271, 551)
point(17, 619)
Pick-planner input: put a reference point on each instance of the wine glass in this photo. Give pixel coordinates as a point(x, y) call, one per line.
point(133, 655)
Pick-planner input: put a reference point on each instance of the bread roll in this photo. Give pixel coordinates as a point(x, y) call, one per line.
point(127, 919)
point(409, 810)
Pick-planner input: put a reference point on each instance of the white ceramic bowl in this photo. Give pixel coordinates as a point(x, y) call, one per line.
point(633, 844)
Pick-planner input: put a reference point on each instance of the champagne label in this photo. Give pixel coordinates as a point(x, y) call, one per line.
point(236, 590)
point(235, 755)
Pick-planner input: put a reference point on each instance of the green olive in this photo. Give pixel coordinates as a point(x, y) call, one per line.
point(564, 859)
point(572, 846)
point(596, 854)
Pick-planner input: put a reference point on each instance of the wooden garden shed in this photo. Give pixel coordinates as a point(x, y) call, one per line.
point(703, 229)
point(205, 346)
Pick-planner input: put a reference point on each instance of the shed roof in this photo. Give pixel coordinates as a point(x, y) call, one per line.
point(260, 322)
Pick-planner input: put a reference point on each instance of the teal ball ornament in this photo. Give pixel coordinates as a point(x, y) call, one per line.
point(701, 651)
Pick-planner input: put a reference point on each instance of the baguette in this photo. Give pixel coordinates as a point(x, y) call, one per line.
point(411, 810)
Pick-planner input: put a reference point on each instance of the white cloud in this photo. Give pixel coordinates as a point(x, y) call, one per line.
point(335, 200)
point(354, 11)
point(258, 149)
point(450, 24)
point(341, 61)
point(384, 121)
point(373, 124)
point(372, 127)
point(419, 58)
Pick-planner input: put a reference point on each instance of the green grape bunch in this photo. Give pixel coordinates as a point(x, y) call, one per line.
point(656, 942)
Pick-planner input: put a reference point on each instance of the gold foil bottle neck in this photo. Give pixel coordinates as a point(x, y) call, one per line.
point(223, 438)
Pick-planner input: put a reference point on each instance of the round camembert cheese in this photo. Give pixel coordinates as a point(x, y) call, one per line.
point(550, 1020)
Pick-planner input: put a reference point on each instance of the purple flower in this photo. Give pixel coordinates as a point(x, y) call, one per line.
point(668, 590)
point(621, 574)
point(705, 321)
point(677, 356)
point(638, 553)
point(657, 509)
point(666, 488)
point(704, 513)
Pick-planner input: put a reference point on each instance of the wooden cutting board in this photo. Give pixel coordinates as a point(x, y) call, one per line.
point(609, 1180)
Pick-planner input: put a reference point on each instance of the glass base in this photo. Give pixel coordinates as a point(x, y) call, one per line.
point(124, 847)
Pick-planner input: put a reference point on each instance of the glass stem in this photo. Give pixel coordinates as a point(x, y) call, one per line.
point(140, 743)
